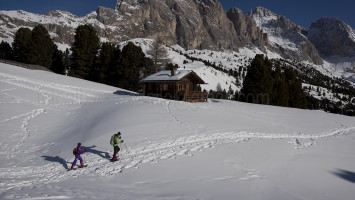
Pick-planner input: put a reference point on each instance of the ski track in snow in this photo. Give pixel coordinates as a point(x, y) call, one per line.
point(174, 117)
point(131, 158)
point(26, 130)
point(15, 150)
point(50, 95)
point(154, 152)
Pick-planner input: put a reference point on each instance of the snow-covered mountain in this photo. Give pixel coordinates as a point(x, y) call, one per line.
point(191, 24)
point(60, 24)
point(285, 37)
point(199, 28)
point(335, 41)
point(333, 38)
point(329, 42)
point(172, 150)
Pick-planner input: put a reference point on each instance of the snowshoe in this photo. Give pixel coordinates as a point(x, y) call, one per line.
point(75, 168)
point(114, 160)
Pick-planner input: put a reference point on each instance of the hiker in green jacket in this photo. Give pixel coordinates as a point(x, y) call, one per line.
point(115, 141)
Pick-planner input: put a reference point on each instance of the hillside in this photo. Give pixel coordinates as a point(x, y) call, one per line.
point(175, 150)
point(202, 30)
point(228, 68)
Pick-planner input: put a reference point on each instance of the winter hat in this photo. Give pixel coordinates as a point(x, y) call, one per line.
point(119, 133)
point(79, 144)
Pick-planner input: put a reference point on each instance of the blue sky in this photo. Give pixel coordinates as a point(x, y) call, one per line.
point(302, 12)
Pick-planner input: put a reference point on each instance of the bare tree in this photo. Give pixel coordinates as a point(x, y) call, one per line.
point(159, 54)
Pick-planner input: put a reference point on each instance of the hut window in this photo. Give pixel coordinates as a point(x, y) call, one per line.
point(180, 87)
point(165, 87)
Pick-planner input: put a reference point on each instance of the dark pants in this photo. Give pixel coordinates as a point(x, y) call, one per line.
point(77, 157)
point(116, 149)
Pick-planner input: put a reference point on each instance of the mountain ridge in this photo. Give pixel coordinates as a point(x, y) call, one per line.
point(333, 37)
point(191, 24)
point(285, 36)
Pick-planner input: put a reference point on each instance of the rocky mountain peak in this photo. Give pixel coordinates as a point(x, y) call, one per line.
point(262, 12)
point(192, 24)
point(61, 14)
point(333, 38)
point(247, 30)
point(285, 37)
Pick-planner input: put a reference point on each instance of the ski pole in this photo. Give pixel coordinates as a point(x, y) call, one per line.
point(125, 147)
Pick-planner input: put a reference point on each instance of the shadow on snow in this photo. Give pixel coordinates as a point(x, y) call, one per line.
point(346, 175)
point(91, 149)
point(128, 93)
point(57, 159)
point(97, 152)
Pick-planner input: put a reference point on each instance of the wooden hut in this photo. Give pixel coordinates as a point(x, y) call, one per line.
point(175, 84)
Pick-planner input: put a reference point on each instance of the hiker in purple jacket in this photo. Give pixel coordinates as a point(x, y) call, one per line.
point(77, 154)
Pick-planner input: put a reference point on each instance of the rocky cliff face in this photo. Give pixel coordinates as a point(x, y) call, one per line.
point(285, 37)
point(246, 29)
point(193, 24)
point(333, 38)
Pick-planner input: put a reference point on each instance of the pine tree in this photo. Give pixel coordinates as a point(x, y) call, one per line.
point(58, 65)
point(230, 90)
point(103, 62)
point(257, 85)
point(21, 45)
point(66, 60)
point(297, 98)
point(171, 66)
point(5, 51)
point(85, 47)
point(134, 63)
point(219, 88)
point(41, 48)
point(280, 93)
point(114, 72)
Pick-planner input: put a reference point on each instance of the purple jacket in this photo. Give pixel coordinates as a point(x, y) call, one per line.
point(80, 150)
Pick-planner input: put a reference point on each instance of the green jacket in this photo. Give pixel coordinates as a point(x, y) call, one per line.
point(116, 140)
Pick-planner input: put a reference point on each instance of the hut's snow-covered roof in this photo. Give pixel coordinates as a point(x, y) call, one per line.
point(166, 76)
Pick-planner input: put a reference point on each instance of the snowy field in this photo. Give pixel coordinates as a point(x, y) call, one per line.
point(173, 150)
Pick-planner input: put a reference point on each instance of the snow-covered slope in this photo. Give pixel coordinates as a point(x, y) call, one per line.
point(211, 76)
point(226, 60)
point(172, 150)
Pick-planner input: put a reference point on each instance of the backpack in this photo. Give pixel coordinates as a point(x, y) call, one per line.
point(112, 141)
point(75, 151)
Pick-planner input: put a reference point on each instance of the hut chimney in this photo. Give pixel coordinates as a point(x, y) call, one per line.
point(173, 72)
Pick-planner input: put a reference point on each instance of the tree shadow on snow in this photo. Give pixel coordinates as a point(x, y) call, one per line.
point(346, 175)
point(128, 93)
point(57, 159)
point(97, 152)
